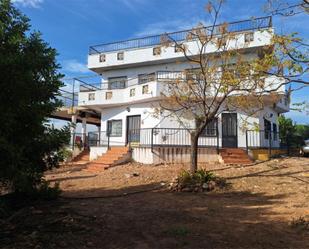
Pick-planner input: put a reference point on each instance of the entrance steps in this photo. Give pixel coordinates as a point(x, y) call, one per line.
point(235, 156)
point(82, 158)
point(113, 157)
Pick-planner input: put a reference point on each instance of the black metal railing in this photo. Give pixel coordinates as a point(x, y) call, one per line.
point(159, 76)
point(79, 140)
point(239, 26)
point(154, 137)
point(68, 99)
point(263, 139)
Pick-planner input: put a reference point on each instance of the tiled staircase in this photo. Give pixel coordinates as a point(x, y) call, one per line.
point(114, 156)
point(82, 158)
point(235, 156)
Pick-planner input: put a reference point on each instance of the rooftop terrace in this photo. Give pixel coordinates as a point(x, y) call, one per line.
point(239, 26)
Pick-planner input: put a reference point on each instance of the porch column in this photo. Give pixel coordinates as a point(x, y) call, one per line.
point(73, 127)
point(84, 130)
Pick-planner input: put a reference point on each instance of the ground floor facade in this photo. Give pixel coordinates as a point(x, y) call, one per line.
point(155, 138)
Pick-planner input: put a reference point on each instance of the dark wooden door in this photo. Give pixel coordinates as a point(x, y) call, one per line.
point(229, 130)
point(133, 128)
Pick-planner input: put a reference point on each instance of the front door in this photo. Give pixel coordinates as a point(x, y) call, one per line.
point(229, 130)
point(133, 129)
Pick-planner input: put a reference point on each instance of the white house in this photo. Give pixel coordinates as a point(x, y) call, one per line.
point(133, 74)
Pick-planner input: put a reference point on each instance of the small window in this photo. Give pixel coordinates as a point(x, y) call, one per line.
point(267, 128)
point(120, 56)
point(102, 58)
point(156, 51)
point(114, 128)
point(132, 92)
point(145, 89)
point(108, 95)
point(275, 133)
point(211, 129)
point(144, 78)
point(249, 37)
point(179, 48)
point(91, 96)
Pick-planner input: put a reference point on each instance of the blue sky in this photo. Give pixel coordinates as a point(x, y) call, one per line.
point(71, 26)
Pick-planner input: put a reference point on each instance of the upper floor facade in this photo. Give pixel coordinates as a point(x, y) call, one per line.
point(134, 71)
point(249, 34)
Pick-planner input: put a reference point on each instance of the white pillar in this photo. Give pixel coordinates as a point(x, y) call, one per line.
point(84, 130)
point(73, 128)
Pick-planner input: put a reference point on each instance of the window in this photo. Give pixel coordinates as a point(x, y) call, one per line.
point(102, 58)
point(144, 78)
point(275, 134)
point(145, 89)
point(156, 51)
point(194, 74)
point(91, 96)
point(211, 129)
point(108, 95)
point(249, 37)
point(117, 82)
point(267, 128)
point(132, 92)
point(114, 128)
point(120, 56)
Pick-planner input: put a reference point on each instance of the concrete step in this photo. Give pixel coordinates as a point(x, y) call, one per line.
point(109, 159)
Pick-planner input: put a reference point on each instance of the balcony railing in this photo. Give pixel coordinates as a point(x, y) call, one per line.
point(140, 80)
point(239, 26)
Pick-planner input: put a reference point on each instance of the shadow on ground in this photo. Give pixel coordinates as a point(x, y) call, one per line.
point(139, 217)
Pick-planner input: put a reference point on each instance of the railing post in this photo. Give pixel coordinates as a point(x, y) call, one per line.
point(288, 142)
point(217, 131)
point(247, 149)
point(99, 139)
point(151, 140)
point(108, 136)
point(269, 144)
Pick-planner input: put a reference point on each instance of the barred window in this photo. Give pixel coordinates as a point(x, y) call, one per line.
point(114, 128)
point(156, 51)
point(117, 82)
point(249, 37)
point(145, 89)
point(91, 96)
point(132, 92)
point(144, 78)
point(211, 129)
point(120, 56)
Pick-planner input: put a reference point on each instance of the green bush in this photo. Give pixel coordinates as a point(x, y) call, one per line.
point(201, 176)
point(45, 192)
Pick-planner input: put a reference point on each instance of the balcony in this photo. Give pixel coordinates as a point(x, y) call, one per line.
point(134, 90)
point(144, 51)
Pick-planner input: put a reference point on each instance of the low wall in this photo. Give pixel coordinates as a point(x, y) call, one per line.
point(173, 155)
point(95, 152)
point(263, 154)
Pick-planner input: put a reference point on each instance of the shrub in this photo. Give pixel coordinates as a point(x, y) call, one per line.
point(197, 179)
point(300, 224)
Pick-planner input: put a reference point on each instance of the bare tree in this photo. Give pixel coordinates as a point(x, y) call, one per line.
point(223, 76)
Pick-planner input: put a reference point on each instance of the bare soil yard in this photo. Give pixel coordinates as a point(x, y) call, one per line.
point(265, 206)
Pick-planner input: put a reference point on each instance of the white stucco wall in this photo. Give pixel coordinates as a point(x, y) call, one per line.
point(146, 111)
point(96, 152)
point(145, 54)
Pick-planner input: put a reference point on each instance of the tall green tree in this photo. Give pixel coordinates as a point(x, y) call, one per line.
point(29, 83)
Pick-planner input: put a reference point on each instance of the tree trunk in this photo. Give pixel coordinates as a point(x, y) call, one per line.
point(194, 152)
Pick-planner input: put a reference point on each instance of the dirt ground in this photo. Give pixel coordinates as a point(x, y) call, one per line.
point(114, 209)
